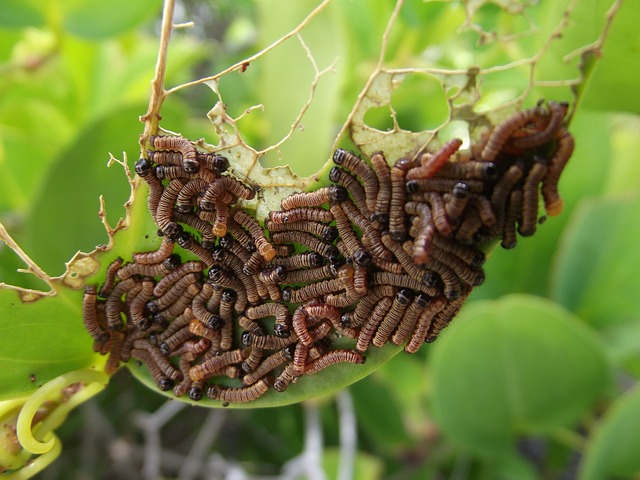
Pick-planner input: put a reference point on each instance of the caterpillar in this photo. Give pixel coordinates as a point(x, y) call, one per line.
point(387, 253)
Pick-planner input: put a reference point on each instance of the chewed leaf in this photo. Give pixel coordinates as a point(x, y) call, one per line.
point(401, 230)
point(382, 257)
point(377, 225)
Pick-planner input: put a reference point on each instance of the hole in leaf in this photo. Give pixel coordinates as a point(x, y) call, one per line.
point(456, 129)
point(379, 118)
point(502, 87)
point(420, 103)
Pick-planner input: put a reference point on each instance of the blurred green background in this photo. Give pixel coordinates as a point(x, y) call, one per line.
point(537, 378)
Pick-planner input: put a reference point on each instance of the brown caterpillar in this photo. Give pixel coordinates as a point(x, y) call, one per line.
point(381, 255)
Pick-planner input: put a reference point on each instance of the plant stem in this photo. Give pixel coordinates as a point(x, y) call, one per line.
point(152, 118)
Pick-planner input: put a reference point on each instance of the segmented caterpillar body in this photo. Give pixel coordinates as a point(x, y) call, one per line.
point(384, 254)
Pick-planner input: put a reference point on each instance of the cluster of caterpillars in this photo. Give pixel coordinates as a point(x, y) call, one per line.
point(383, 254)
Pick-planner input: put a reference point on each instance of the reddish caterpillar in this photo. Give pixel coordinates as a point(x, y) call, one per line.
point(431, 164)
point(386, 254)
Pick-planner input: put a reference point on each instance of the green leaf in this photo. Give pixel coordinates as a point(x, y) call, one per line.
point(380, 413)
point(616, 76)
point(509, 467)
point(80, 172)
point(325, 382)
point(612, 450)
point(406, 376)
point(604, 66)
point(517, 365)
point(622, 341)
point(623, 167)
point(45, 338)
point(20, 14)
point(523, 269)
point(598, 262)
point(23, 162)
point(363, 23)
point(100, 19)
point(40, 341)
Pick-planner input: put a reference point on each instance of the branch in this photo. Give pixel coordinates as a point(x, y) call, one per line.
point(152, 118)
point(241, 65)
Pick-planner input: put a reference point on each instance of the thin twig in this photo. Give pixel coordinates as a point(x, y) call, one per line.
point(32, 266)
point(241, 65)
point(151, 424)
point(379, 68)
point(313, 444)
point(298, 121)
point(152, 118)
point(194, 462)
point(309, 463)
point(348, 435)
